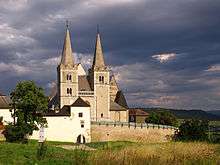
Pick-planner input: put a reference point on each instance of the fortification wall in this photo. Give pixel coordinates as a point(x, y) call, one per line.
point(134, 133)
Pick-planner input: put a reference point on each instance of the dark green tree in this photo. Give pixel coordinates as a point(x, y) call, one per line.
point(193, 130)
point(1, 123)
point(162, 117)
point(28, 106)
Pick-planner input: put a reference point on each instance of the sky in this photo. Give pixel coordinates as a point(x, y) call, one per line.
point(163, 53)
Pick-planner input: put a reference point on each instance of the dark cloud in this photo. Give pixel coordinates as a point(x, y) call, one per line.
point(31, 38)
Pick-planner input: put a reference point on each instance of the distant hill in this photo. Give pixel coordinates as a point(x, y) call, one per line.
point(188, 114)
point(215, 112)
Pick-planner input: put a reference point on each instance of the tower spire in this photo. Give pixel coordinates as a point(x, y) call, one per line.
point(67, 57)
point(98, 61)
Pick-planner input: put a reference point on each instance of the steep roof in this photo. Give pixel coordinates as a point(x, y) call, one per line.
point(120, 99)
point(4, 102)
point(98, 61)
point(67, 57)
point(80, 103)
point(65, 111)
point(83, 84)
point(138, 112)
point(116, 107)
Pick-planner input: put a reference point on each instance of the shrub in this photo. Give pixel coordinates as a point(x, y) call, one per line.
point(16, 133)
point(1, 123)
point(193, 130)
point(1, 119)
point(162, 117)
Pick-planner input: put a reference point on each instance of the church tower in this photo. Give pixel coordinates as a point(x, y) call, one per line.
point(99, 78)
point(67, 77)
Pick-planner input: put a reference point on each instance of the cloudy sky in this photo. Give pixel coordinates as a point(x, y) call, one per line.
point(163, 52)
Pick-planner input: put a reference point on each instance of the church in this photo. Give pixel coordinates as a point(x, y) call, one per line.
point(80, 98)
point(97, 87)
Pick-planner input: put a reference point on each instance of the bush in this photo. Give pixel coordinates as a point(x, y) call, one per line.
point(162, 117)
point(193, 130)
point(1, 123)
point(16, 133)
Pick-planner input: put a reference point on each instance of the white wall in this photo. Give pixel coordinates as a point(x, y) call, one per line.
point(6, 114)
point(67, 129)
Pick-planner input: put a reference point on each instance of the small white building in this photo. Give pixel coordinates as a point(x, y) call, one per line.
point(4, 109)
point(69, 124)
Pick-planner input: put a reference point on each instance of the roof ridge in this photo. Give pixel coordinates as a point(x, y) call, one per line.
point(79, 102)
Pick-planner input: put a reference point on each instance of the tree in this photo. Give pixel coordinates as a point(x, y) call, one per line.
point(29, 104)
point(193, 130)
point(162, 117)
point(1, 123)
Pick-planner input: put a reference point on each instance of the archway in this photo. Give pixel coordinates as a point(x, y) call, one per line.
point(81, 139)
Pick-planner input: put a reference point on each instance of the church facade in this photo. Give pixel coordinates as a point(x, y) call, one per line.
point(97, 86)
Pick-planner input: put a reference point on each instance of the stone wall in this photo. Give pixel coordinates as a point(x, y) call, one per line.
point(120, 132)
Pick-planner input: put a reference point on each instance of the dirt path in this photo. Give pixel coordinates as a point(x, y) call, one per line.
point(73, 147)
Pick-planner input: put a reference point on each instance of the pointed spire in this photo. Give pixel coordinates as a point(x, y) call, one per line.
point(98, 61)
point(67, 57)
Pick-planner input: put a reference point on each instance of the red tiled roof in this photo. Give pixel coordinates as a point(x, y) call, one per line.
point(138, 112)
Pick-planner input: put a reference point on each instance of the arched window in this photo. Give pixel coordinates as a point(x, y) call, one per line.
point(67, 90)
point(101, 79)
point(71, 91)
point(69, 77)
point(101, 115)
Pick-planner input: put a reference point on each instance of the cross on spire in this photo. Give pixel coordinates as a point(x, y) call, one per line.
point(67, 24)
point(97, 28)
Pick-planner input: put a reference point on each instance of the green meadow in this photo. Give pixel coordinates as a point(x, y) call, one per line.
point(112, 153)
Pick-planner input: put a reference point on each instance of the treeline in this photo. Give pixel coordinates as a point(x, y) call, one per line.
point(186, 114)
point(188, 130)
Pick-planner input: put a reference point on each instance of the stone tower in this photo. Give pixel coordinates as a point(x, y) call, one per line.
point(67, 74)
point(99, 78)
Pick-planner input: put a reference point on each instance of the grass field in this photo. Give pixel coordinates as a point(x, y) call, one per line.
point(113, 153)
point(214, 123)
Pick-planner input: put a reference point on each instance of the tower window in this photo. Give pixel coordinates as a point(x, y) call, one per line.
point(67, 90)
point(69, 77)
point(101, 115)
point(101, 79)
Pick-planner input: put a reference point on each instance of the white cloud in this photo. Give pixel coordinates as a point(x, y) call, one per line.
point(213, 68)
point(13, 4)
point(107, 2)
point(51, 84)
point(160, 101)
point(54, 61)
point(14, 68)
point(13, 37)
point(162, 58)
